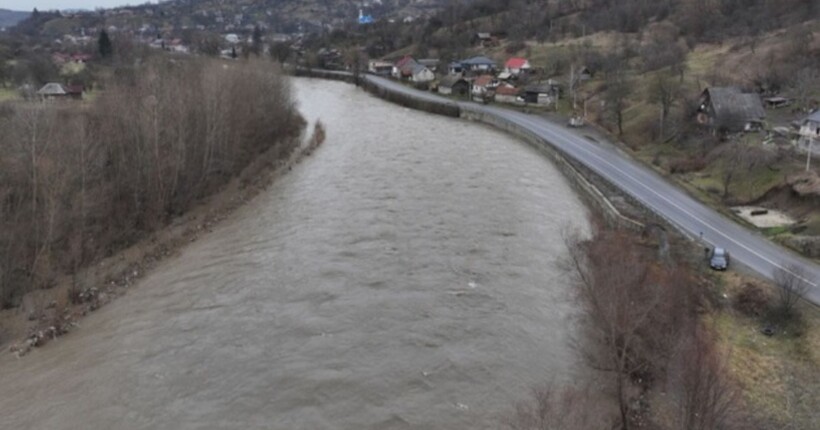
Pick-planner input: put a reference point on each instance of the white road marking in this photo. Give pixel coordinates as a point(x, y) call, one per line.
point(535, 127)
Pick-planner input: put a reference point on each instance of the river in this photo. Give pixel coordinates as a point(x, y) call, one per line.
point(402, 277)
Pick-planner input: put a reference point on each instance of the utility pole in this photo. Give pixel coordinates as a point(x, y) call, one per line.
point(572, 87)
point(808, 157)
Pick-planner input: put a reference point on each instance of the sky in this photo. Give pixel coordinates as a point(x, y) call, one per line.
point(28, 5)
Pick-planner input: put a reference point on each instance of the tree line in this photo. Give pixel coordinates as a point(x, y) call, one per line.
point(80, 181)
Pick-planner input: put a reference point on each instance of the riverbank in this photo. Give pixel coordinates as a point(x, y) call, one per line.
point(45, 315)
point(762, 366)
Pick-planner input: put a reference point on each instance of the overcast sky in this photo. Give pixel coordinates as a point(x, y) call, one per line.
point(28, 5)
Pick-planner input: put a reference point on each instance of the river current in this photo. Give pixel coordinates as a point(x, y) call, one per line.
point(404, 276)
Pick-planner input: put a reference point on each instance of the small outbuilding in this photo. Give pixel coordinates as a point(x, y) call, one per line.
point(454, 85)
point(54, 90)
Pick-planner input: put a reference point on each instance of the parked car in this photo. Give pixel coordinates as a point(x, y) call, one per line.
point(719, 259)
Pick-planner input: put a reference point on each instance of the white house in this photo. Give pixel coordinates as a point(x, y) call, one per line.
point(422, 74)
point(810, 129)
point(379, 67)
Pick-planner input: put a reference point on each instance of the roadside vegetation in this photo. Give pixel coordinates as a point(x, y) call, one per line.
point(670, 346)
point(80, 181)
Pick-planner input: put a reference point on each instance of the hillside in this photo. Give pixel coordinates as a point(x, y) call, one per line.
point(9, 18)
point(220, 16)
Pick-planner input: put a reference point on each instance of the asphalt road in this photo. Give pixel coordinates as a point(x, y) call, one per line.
point(745, 246)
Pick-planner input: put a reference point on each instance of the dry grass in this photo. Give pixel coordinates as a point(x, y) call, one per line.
point(779, 375)
point(8, 94)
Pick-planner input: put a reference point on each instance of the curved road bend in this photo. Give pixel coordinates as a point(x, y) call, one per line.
point(689, 215)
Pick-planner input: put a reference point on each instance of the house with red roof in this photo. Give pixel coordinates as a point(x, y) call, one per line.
point(404, 67)
point(483, 86)
point(516, 66)
point(507, 94)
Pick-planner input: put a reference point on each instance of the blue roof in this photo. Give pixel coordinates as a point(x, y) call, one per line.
point(479, 60)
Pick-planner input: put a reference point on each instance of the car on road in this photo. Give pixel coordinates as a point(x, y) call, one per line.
point(719, 259)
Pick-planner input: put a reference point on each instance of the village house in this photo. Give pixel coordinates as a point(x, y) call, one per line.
point(455, 68)
point(453, 85)
point(483, 87)
point(54, 90)
point(485, 40)
point(729, 109)
point(379, 67)
point(403, 69)
point(517, 66)
point(421, 74)
point(810, 129)
point(478, 64)
point(507, 94)
point(430, 63)
point(543, 94)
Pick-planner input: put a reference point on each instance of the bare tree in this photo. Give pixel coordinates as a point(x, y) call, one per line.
point(664, 91)
point(618, 303)
point(739, 156)
point(805, 81)
point(618, 90)
point(706, 398)
point(551, 408)
point(793, 283)
point(77, 184)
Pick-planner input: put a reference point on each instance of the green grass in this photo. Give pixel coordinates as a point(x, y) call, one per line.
point(776, 231)
point(7, 94)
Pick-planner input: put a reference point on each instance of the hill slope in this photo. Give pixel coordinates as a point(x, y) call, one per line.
point(9, 18)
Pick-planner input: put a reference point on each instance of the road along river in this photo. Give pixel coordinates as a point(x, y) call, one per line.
point(402, 277)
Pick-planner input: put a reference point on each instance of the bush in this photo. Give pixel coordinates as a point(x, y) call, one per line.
point(687, 165)
point(752, 300)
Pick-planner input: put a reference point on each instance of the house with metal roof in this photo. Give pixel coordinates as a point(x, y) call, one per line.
point(810, 129)
point(516, 66)
point(730, 110)
point(54, 90)
point(453, 85)
point(479, 64)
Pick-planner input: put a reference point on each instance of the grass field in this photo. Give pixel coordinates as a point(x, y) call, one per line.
point(779, 375)
point(8, 94)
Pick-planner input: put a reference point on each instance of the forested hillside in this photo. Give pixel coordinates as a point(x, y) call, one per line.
point(9, 18)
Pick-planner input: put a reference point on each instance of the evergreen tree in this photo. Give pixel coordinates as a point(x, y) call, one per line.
point(104, 45)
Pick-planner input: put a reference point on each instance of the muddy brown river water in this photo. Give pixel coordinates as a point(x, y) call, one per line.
point(402, 277)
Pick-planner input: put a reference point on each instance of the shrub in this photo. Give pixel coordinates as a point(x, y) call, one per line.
point(752, 300)
point(687, 165)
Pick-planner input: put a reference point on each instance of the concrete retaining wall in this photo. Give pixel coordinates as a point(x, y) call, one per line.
point(588, 191)
point(407, 100)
